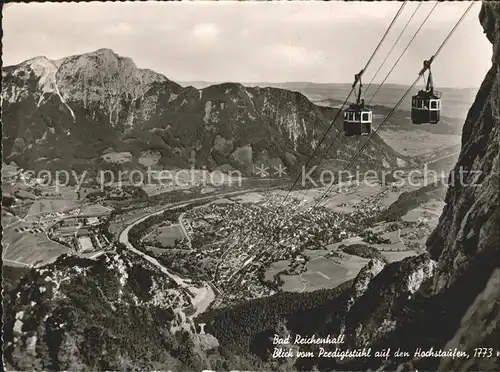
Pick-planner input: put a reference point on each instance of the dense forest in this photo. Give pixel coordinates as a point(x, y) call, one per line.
point(249, 326)
point(11, 276)
point(364, 251)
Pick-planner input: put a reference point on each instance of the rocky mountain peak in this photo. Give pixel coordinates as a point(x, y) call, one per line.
point(40, 65)
point(101, 76)
point(106, 52)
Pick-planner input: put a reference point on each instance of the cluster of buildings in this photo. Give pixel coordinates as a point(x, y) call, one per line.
point(90, 240)
point(245, 238)
point(83, 233)
point(31, 230)
point(41, 222)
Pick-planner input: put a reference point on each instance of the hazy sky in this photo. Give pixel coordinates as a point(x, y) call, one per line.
point(254, 41)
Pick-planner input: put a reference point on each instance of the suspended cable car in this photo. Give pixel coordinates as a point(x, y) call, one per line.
point(357, 117)
point(426, 104)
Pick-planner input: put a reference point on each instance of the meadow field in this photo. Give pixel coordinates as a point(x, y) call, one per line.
point(29, 247)
point(417, 142)
point(117, 157)
point(95, 210)
point(252, 197)
point(398, 256)
point(42, 206)
point(149, 159)
point(321, 271)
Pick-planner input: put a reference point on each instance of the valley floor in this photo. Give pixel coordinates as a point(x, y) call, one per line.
point(248, 246)
point(244, 245)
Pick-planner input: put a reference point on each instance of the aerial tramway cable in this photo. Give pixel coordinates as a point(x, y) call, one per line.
point(391, 50)
point(403, 52)
point(393, 46)
point(427, 65)
point(347, 98)
point(400, 56)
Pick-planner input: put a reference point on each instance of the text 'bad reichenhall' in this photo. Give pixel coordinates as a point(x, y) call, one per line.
point(277, 340)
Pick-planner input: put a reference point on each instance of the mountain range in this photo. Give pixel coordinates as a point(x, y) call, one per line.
point(72, 111)
point(456, 101)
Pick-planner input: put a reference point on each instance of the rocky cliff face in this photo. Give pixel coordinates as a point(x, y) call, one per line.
point(466, 243)
point(467, 226)
point(100, 102)
point(112, 313)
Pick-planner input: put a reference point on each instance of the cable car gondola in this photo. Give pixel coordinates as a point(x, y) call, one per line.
point(357, 117)
point(426, 104)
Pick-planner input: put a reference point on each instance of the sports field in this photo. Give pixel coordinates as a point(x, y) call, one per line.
point(149, 159)
point(251, 197)
point(430, 212)
point(95, 210)
point(166, 236)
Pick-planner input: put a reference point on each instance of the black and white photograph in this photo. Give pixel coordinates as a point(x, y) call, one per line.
point(286, 186)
